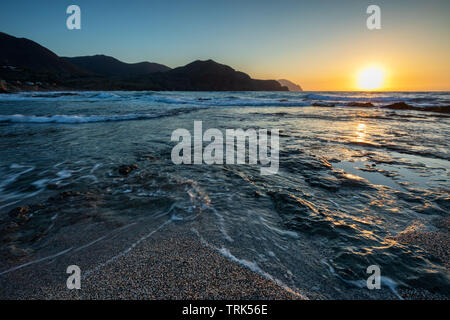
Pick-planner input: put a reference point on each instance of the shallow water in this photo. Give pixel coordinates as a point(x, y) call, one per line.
point(350, 179)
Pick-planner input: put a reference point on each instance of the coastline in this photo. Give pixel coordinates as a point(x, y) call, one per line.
point(171, 264)
point(167, 262)
point(119, 226)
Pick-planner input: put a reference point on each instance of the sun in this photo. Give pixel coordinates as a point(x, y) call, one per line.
point(371, 78)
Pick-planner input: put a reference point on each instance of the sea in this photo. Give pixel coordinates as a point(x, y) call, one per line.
point(357, 186)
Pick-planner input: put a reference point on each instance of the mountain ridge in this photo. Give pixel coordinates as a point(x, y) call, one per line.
point(26, 65)
point(25, 54)
point(109, 66)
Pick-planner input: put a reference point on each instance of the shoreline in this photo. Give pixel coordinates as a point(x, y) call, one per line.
point(71, 221)
point(171, 264)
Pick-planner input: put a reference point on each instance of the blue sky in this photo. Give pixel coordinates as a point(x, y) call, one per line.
point(264, 38)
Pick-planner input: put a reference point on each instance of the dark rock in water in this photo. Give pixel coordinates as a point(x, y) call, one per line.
point(126, 169)
point(405, 106)
point(24, 228)
point(257, 194)
point(360, 104)
point(20, 214)
point(64, 195)
point(318, 104)
point(284, 100)
point(204, 99)
point(47, 95)
point(440, 109)
point(399, 106)
point(3, 88)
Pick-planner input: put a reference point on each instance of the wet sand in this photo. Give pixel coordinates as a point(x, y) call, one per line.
point(435, 243)
point(169, 261)
point(172, 264)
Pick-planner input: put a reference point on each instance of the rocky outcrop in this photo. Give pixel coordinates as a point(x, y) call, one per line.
point(290, 85)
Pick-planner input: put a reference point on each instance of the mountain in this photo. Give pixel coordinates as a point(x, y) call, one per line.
point(111, 67)
point(21, 58)
point(210, 76)
point(290, 85)
point(26, 65)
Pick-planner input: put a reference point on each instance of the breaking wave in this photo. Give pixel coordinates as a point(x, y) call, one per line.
point(19, 118)
point(244, 99)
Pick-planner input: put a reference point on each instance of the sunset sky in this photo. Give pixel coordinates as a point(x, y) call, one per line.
point(321, 45)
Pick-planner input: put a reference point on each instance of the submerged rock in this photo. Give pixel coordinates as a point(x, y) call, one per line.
point(405, 106)
point(441, 109)
point(20, 214)
point(360, 104)
point(318, 104)
point(126, 169)
point(399, 106)
point(3, 88)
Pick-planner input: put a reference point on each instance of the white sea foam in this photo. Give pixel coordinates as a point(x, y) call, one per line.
point(253, 266)
point(20, 118)
point(254, 99)
point(385, 281)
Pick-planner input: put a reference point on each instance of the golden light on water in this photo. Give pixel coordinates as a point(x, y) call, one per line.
point(371, 78)
point(360, 132)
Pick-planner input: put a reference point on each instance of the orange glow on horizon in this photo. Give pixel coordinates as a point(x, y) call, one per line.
point(335, 65)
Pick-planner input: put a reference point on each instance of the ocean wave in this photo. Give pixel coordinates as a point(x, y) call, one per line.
point(233, 102)
point(238, 99)
point(20, 118)
point(160, 98)
point(64, 95)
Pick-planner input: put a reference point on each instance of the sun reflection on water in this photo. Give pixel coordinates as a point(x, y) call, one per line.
point(360, 132)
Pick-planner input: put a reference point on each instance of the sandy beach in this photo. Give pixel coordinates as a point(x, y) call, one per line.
point(171, 264)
